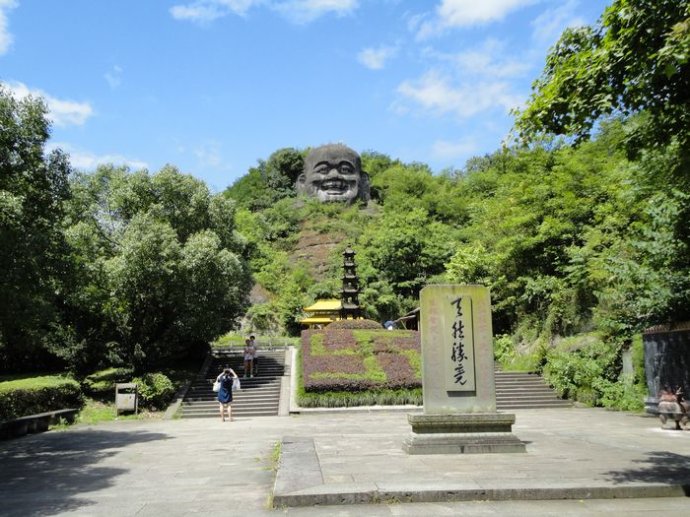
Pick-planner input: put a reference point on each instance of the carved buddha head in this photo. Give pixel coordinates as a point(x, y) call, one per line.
point(333, 172)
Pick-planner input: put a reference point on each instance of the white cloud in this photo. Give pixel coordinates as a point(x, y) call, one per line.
point(204, 11)
point(462, 13)
point(297, 11)
point(490, 60)
point(209, 154)
point(60, 112)
point(114, 76)
point(485, 78)
point(445, 150)
point(87, 161)
point(467, 13)
point(375, 58)
point(549, 25)
point(5, 35)
point(436, 94)
point(465, 84)
point(305, 11)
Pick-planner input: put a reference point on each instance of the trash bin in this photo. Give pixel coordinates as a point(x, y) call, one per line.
point(126, 397)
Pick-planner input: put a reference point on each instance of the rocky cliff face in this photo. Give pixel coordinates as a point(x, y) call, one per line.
point(317, 249)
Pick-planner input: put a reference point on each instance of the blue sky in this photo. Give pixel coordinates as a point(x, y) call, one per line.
point(212, 86)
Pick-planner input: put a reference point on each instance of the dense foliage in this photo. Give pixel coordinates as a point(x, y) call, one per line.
point(111, 267)
point(634, 63)
point(33, 191)
point(569, 239)
point(635, 60)
point(160, 267)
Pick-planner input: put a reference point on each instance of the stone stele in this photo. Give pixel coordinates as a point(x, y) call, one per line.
point(458, 377)
point(333, 173)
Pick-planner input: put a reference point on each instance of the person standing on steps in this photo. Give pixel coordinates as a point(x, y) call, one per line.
point(255, 370)
point(249, 353)
point(225, 392)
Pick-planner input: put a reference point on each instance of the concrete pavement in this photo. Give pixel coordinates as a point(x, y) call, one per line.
point(201, 466)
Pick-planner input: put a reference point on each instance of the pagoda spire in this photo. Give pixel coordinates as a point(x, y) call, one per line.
point(349, 297)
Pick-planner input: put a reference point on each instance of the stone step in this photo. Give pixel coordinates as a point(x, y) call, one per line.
point(523, 390)
point(516, 390)
point(268, 395)
point(513, 380)
point(237, 397)
point(528, 382)
point(532, 396)
point(259, 396)
point(211, 407)
point(256, 381)
point(526, 397)
point(235, 414)
point(235, 403)
point(502, 405)
point(509, 380)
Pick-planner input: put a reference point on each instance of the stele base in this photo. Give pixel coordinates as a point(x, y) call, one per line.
point(470, 433)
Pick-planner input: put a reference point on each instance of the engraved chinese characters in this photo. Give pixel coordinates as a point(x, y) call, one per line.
point(457, 351)
point(460, 367)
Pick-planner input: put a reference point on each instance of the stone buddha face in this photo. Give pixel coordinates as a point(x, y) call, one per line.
point(333, 172)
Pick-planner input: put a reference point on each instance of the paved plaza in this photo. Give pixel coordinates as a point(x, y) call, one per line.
point(578, 462)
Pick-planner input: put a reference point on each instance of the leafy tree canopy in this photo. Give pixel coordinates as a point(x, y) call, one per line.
point(160, 266)
point(33, 190)
point(635, 60)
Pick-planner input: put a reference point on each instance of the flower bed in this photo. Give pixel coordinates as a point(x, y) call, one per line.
point(339, 359)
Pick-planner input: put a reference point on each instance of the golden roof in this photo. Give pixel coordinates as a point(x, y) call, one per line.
point(311, 321)
point(324, 305)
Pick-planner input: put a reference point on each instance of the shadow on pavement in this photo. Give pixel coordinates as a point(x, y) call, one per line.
point(55, 470)
point(658, 467)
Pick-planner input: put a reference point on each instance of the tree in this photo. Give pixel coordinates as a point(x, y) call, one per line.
point(163, 269)
point(405, 248)
point(634, 60)
point(634, 63)
point(33, 189)
point(268, 182)
point(528, 209)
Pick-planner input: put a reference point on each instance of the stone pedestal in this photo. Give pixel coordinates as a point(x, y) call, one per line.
point(666, 360)
point(458, 377)
point(470, 433)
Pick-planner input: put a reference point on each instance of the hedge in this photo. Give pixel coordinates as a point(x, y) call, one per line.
point(31, 395)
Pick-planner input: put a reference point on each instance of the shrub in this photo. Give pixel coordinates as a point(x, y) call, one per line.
point(504, 350)
point(362, 398)
point(230, 339)
point(589, 370)
point(101, 384)
point(31, 395)
point(621, 394)
point(155, 390)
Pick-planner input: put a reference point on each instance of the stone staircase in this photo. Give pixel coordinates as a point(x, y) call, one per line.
point(524, 390)
point(259, 396)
